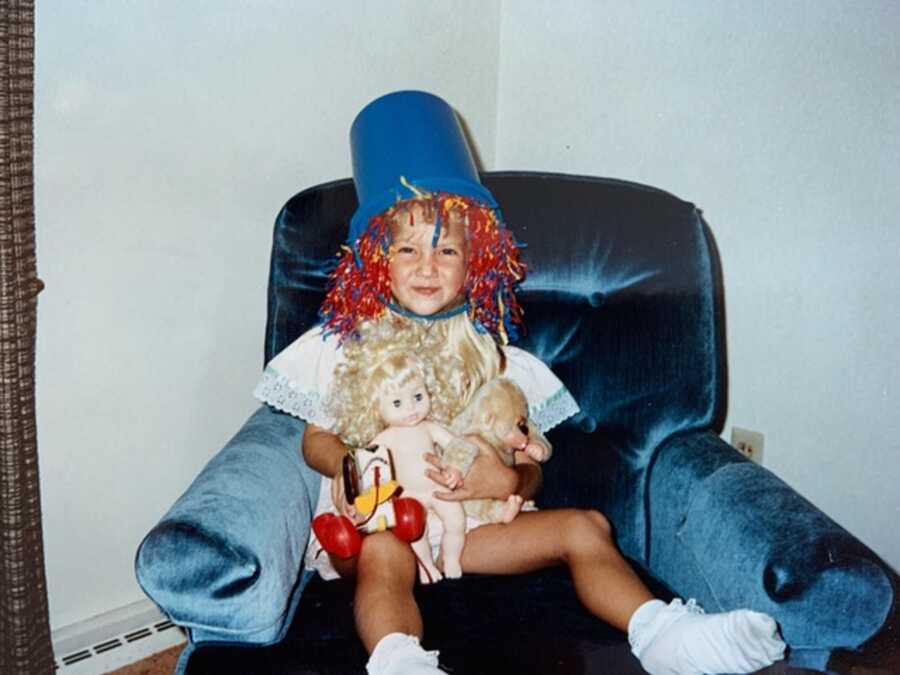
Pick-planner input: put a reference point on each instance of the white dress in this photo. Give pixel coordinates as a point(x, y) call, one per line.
point(298, 381)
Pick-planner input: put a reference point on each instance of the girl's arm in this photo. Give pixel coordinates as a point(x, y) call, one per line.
point(490, 478)
point(530, 476)
point(324, 451)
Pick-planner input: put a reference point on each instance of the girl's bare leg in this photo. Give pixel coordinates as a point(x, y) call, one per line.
point(669, 639)
point(582, 540)
point(385, 572)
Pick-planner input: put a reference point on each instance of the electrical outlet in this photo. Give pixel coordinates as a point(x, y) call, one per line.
point(748, 443)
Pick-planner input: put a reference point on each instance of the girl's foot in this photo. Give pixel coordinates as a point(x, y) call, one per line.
point(679, 639)
point(400, 654)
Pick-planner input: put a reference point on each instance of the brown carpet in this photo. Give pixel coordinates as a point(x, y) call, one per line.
point(158, 664)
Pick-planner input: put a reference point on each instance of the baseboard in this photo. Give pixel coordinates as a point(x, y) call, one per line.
point(113, 639)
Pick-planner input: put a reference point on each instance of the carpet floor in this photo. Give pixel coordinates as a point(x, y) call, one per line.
point(158, 664)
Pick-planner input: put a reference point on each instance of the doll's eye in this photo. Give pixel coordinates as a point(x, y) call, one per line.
point(419, 397)
point(449, 251)
point(406, 250)
point(396, 402)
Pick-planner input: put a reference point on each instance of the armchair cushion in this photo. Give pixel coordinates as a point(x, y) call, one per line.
point(732, 534)
point(225, 560)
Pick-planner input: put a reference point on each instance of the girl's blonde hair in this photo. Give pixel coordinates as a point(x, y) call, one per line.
point(450, 356)
point(480, 359)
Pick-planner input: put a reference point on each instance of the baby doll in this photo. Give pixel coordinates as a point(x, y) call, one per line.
point(498, 415)
point(389, 393)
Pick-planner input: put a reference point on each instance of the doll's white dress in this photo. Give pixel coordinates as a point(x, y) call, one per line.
point(298, 381)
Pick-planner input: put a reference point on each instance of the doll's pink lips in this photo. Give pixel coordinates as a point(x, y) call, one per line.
point(426, 290)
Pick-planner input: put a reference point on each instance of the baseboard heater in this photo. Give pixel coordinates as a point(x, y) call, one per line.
point(114, 639)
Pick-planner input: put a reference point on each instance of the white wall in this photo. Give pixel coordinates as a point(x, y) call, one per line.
point(167, 136)
point(781, 120)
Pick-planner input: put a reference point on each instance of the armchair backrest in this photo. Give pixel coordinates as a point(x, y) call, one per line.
point(621, 301)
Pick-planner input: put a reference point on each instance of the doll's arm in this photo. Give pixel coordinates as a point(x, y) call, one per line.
point(538, 448)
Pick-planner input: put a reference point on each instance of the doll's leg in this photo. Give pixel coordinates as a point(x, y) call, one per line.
point(428, 571)
point(453, 540)
point(509, 509)
point(674, 639)
point(494, 510)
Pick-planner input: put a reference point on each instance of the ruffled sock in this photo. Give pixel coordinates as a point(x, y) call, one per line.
point(401, 654)
point(680, 639)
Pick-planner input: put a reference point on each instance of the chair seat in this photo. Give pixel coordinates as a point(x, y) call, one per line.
point(531, 623)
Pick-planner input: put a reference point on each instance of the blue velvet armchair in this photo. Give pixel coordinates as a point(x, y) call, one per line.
point(624, 302)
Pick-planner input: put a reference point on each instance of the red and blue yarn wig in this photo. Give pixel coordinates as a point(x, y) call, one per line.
point(359, 288)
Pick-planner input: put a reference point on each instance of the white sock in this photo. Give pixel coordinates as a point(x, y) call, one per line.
point(401, 654)
point(678, 639)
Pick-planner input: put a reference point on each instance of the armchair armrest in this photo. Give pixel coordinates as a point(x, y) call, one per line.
point(225, 560)
point(731, 534)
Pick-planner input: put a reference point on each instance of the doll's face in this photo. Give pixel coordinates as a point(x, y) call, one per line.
point(405, 405)
point(427, 279)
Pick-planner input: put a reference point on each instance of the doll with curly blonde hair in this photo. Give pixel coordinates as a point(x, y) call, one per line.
point(382, 399)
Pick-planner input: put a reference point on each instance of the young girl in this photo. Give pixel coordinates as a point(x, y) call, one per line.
point(427, 243)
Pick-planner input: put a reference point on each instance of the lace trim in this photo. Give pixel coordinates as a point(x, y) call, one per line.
point(281, 393)
point(555, 410)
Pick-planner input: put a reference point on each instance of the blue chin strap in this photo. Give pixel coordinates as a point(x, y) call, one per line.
point(402, 311)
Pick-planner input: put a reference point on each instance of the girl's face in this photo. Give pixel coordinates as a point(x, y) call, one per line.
point(427, 279)
point(404, 406)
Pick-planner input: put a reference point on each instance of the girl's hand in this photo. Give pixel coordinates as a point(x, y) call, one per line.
point(340, 500)
point(489, 478)
point(444, 475)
